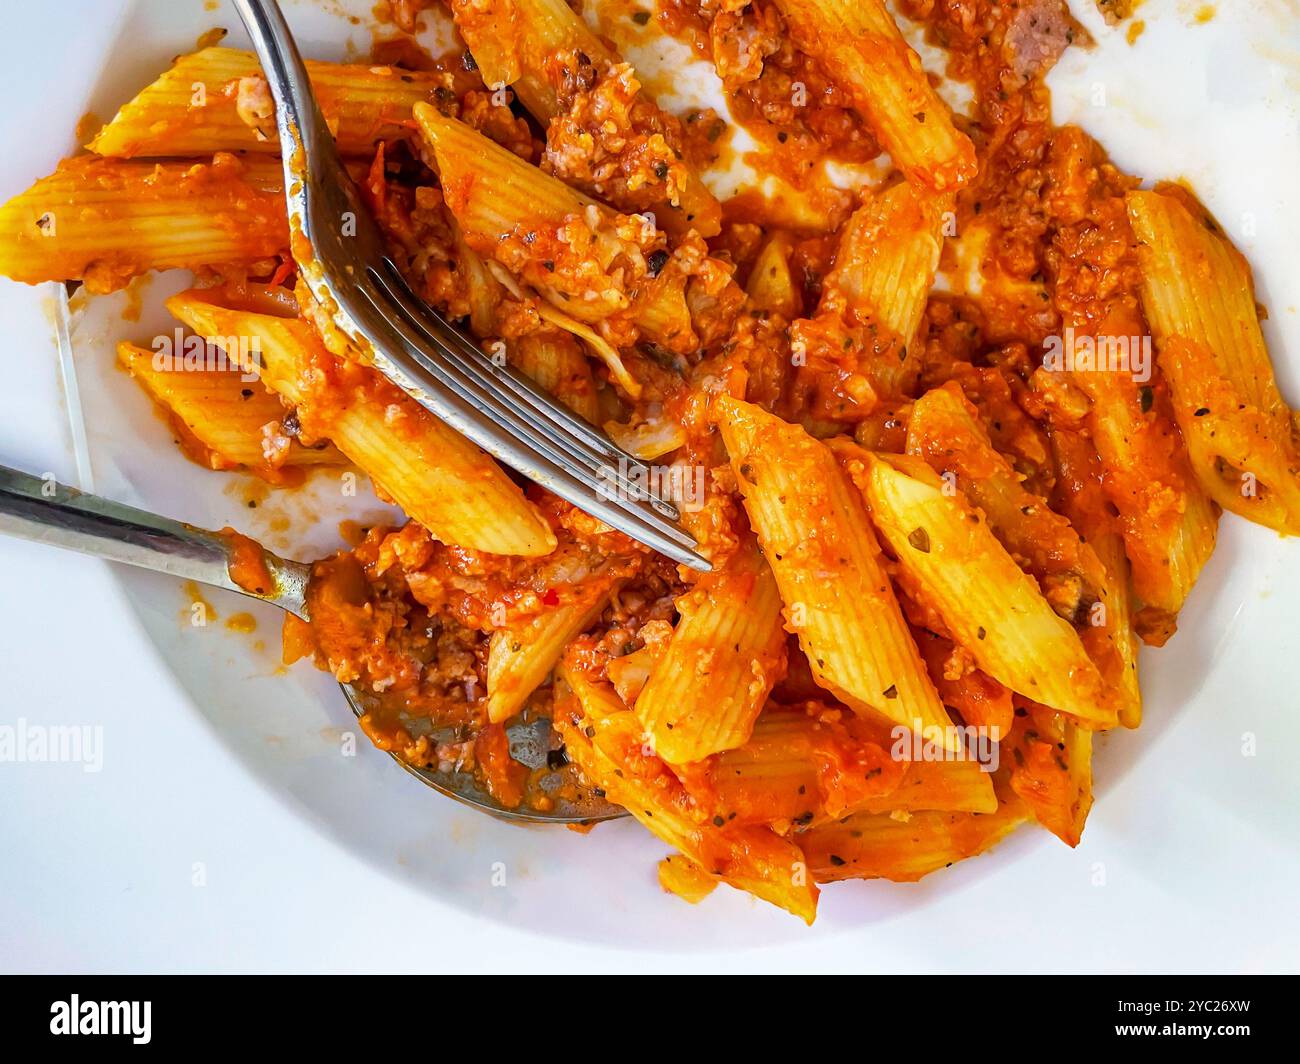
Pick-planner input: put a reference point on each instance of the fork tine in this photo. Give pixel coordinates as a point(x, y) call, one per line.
point(611, 485)
point(602, 483)
point(522, 447)
point(423, 354)
point(477, 366)
point(485, 415)
point(430, 318)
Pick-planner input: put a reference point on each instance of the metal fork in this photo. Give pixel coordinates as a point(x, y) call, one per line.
point(343, 257)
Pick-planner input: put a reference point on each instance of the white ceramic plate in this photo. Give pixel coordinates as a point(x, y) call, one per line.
point(1178, 802)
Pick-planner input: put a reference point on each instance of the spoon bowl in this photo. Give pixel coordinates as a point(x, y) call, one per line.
point(530, 746)
point(47, 512)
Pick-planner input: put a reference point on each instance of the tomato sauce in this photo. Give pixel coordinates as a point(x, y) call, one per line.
point(247, 565)
point(1040, 241)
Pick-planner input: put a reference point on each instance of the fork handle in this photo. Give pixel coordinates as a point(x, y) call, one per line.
point(44, 511)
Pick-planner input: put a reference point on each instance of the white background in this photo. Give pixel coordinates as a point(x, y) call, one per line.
point(1191, 859)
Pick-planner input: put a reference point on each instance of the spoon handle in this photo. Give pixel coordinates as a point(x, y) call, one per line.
point(44, 511)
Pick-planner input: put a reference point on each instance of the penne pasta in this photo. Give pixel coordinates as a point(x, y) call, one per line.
point(956, 565)
point(491, 190)
point(771, 285)
point(217, 100)
point(944, 430)
point(884, 269)
point(935, 786)
point(1196, 285)
point(860, 47)
point(591, 104)
point(105, 221)
point(662, 312)
point(224, 417)
point(1051, 769)
point(521, 656)
point(799, 765)
point(485, 291)
point(1200, 299)
point(726, 652)
point(604, 739)
point(681, 876)
point(838, 600)
point(589, 263)
point(556, 364)
point(904, 849)
point(1081, 497)
point(491, 30)
point(511, 41)
point(1246, 460)
point(1168, 521)
point(805, 765)
point(437, 476)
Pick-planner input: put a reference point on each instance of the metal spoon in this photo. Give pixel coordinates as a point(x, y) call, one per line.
point(46, 512)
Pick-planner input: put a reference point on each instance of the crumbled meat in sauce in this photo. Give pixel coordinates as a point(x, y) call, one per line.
point(411, 618)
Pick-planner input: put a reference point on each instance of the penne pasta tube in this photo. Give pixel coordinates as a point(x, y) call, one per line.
point(556, 364)
point(957, 567)
point(805, 765)
point(904, 849)
point(1051, 769)
point(1196, 285)
point(512, 40)
point(1199, 296)
point(934, 779)
point(726, 652)
point(105, 221)
point(799, 765)
point(1082, 499)
point(663, 314)
point(935, 786)
point(815, 535)
point(485, 291)
point(884, 269)
point(521, 656)
point(1168, 522)
point(590, 102)
point(433, 473)
point(1245, 460)
point(771, 286)
point(858, 44)
point(605, 740)
point(491, 31)
point(216, 100)
point(491, 190)
point(224, 418)
point(945, 431)
point(681, 876)
point(588, 263)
